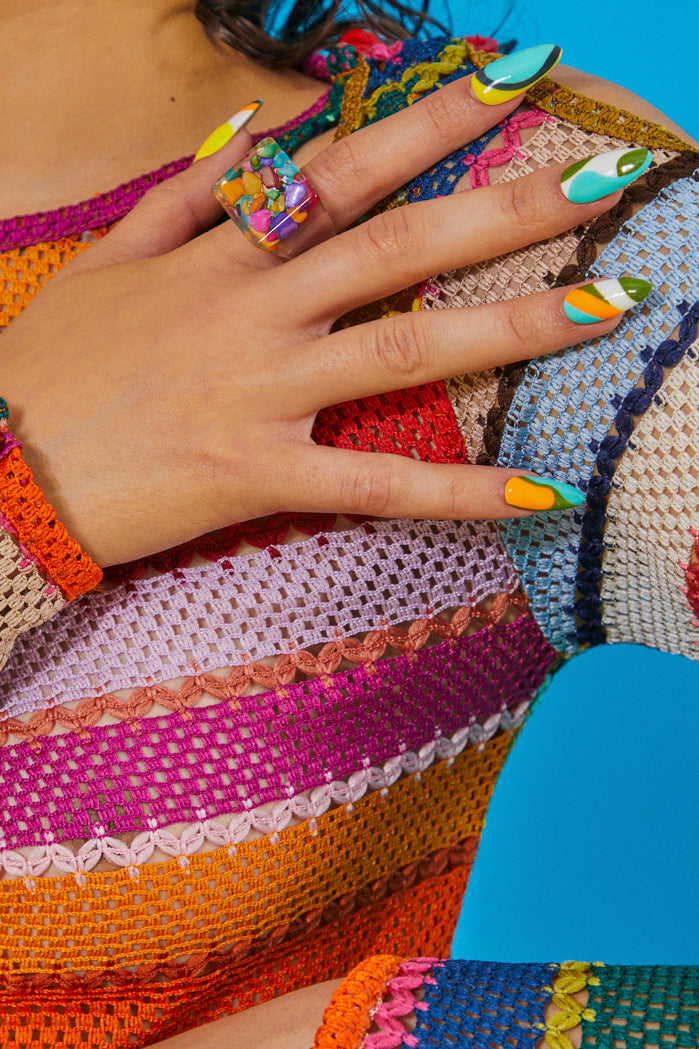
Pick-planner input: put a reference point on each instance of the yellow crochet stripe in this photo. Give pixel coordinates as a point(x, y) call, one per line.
point(602, 118)
point(213, 900)
point(447, 62)
point(572, 978)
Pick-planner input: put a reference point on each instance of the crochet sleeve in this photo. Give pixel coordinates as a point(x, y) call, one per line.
point(423, 1003)
point(41, 567)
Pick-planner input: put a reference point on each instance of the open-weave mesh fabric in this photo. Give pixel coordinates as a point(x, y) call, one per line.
point(224, 781)
point(653, 500)
point(481, 1004)
point(567, 403)
point(339, 584)
point(642, 1007)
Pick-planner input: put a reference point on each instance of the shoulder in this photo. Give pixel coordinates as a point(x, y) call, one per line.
point(619, 97)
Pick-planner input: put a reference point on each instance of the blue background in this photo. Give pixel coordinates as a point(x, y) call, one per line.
point(591, 849)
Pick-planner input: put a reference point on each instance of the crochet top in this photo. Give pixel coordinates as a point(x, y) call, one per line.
point(230, 776)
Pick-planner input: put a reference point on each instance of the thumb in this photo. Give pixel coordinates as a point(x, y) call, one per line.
point(168, 215)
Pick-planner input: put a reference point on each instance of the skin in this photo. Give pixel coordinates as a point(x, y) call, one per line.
point(152, 95)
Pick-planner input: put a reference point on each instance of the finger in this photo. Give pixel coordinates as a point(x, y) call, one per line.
point(380, 485)
point(402, 246)
point(359, 170)
point(170, 214)
point(419, 347)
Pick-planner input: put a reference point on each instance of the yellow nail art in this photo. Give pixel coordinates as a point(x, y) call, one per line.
point(225, 132)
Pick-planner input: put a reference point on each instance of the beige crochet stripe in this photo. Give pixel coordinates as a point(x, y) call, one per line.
point(521, 273)
point(653, 503)
point(27, 598)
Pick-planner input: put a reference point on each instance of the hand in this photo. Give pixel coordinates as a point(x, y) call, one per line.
point(166, 382)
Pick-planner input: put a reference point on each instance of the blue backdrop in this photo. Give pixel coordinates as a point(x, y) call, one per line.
point(591, 846)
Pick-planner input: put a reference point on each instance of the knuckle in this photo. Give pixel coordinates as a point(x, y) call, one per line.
point(523, 331)
point(443, 114)
point(453, 498)
point(392, 235)
point(343, 164)
point(368, 490)
point(523, 208)
point(400, 348)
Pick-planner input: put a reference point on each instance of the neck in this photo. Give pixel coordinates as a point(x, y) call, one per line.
point(137, 83)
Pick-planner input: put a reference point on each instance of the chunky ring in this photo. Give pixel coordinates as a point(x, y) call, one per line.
point(267, 197)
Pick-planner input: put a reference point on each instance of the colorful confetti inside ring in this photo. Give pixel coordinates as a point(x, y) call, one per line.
point(267, 197)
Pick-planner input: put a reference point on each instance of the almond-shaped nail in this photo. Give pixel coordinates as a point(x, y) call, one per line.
point(225, 132)
point(602, 174)
point(536, 493)
point(605, 298)
point(507, 77)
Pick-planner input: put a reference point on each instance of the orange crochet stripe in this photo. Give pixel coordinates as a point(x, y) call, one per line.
point(79, 1013)
point(348, 908)
point(23, 504)
point(88, 712)
point(348, 1017)
point(24, 271)
point(212, 900)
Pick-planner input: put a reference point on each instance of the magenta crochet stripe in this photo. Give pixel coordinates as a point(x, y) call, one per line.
point(105, 208)
point(274, 746)
point(246, 608)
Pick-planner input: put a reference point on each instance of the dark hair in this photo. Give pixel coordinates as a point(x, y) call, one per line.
point(257, 29)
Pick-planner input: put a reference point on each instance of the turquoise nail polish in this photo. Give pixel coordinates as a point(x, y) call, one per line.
point(598, 176)
point(510, 76)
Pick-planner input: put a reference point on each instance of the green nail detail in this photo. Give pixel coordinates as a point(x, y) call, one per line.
point(603, 299)
point(598, 176)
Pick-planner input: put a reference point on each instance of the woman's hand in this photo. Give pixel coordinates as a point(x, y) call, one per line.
point(166, 382)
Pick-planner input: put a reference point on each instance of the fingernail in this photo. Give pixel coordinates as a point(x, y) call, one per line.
point(604, 299)
point(507, 77)
point(225, 132)
point(600, 175)
point(535, 493)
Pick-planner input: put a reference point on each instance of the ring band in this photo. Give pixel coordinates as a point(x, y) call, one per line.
point(267, 196)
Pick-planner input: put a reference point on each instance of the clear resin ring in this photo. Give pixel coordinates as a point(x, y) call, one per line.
point(267, 197)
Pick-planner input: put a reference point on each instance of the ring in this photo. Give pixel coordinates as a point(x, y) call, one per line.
point(268, 196)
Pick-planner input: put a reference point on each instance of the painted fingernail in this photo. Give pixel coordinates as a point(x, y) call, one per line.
point(535, 493)
point(507, 77)
point(606, 298)
point(225, 132)
point(604, 173)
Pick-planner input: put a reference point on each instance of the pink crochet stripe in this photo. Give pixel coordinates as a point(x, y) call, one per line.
point(399, 1000)
point(270, 746)
point(512, 144)
point(247, 608)
point(691, 574)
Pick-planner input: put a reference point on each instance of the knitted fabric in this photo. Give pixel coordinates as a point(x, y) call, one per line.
point(268, 754)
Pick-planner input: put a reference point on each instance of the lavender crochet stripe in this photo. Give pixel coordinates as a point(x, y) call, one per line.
point(220, 614)
point(567, 404)
point(276, 745)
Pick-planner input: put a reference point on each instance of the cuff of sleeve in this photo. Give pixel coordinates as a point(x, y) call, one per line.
point(349, 1015)
point(41, 566)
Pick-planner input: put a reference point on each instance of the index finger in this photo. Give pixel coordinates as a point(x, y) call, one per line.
point(358, 171)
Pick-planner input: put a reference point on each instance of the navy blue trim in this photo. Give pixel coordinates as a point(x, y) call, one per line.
point(588, 605)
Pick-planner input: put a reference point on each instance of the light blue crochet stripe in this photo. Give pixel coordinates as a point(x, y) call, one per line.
point(563, 442)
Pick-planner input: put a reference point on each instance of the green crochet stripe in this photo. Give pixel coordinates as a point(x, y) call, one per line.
point(642, 1006)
